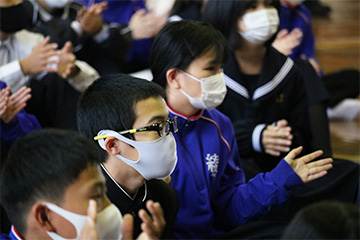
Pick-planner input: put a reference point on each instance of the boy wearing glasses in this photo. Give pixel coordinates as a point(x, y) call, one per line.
point(128, 118)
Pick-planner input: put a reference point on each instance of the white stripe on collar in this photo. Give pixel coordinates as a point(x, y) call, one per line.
point(265, 89)
point(279, 77)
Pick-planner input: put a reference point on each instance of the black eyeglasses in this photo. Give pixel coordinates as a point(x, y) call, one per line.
point(163, 128)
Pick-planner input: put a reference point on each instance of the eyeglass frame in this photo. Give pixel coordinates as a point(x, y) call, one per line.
point(171, 123)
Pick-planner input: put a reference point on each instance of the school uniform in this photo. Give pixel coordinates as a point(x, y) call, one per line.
point(105, 51)
point(254, 101)
point(209, 181)
point(13, 235)
point(156, 190)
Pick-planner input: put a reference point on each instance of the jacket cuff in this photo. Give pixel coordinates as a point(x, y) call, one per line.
point(285, 176)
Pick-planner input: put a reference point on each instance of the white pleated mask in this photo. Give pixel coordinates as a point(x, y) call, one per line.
point(260, 25)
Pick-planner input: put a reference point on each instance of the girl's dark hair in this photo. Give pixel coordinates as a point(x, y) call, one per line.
point(224, 16)
point(179, 43)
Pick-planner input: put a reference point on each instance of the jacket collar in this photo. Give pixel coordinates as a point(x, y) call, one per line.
point(185, 117)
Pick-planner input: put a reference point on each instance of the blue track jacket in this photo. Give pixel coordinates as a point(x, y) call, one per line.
point(209, 181)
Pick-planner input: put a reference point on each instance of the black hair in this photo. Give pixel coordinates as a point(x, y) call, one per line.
point(109, 103)
point(179, 43)
point(224, 16)
point(325, 220)
point(40, 166)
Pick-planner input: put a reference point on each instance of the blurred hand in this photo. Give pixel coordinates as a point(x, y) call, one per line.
point(66, 66)
point(146, 25)
point(40, 58)
point(90, 19)
point(89, 231)
point(305, 169)
point(4, 98)
point(153, 226)
point(285, 42)
point(277, 139)
point(16, 102)
point(313, 63)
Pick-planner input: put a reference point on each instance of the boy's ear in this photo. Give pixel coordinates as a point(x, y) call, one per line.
point(40, 217)
point(113, 145)
point(172, 78)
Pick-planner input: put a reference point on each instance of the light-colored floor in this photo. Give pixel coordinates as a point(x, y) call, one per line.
point(338, 47)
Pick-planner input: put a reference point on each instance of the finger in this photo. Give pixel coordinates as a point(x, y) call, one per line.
point(51, 47)
point(320, 163)
point(272, 152)
point(99, 8)
point(292, 155)
point(282, 123)
point(92, 210)
point(67, 47)
point(315, 176)
point(148, 231)
point(89, 230)
point(140, 12)
point(278, 148)
point(156, 212)
point(127, 227)
point(303, 56)
point(145, 217)
point(316, 170)
point(2, 110)
point(45, 41)
point(311, 156)
point(103, 5)
point(15, 110)
point(282, 33)
point(297, 33)
point(21, 92)
point(20, 100)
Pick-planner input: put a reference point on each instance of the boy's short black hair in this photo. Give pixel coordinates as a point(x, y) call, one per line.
point(325, 220)
point(109, 103)
point(40, 166)
point(224, 15)
point(179, 43)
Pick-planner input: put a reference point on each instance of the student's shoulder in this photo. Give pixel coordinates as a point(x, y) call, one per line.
point(159, 187)
point(164, 193)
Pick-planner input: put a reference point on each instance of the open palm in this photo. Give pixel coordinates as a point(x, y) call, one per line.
point(305, 168)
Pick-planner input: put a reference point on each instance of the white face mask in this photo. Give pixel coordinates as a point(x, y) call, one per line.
point(260, 25)
point(108, 223)
point(213, 91)
point(57, 3)
point(157, 159)
point(294, 2)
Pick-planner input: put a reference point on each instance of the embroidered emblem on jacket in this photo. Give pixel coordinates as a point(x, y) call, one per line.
point(212, 161)
point(279, 98)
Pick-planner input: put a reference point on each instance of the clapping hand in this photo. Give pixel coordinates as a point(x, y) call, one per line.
point(277, 139)
point(14, 104)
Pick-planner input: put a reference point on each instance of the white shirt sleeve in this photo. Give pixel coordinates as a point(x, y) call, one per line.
point(22, 44)
point(13, 76)
point(256, 137)
point(86, 76)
